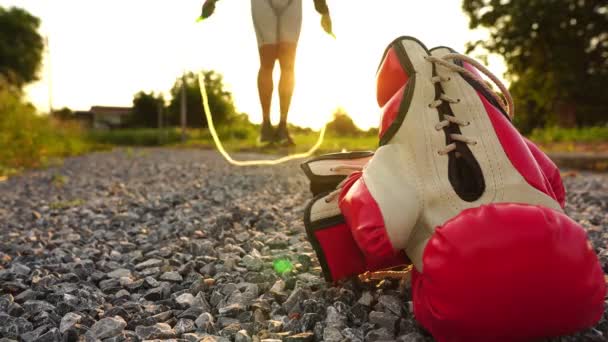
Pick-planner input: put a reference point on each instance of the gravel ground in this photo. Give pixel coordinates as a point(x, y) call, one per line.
point(176, 244)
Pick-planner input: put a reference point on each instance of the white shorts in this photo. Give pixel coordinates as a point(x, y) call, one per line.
point(276, 20)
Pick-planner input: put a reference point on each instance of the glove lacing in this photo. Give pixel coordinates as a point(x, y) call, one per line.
point(508, 107)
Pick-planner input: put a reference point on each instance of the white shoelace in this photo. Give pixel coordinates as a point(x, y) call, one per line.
point(508, 107)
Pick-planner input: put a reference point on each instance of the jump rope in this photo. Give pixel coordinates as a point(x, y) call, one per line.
point(257, 162)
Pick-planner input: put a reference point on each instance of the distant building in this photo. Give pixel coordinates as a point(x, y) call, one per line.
point(109, 117)
point(85, 118)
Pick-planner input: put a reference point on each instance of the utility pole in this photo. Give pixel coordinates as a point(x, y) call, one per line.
point(159, 115)
point(49, 73)
point(183, 108)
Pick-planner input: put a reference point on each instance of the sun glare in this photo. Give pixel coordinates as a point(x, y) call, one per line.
point(106, 62)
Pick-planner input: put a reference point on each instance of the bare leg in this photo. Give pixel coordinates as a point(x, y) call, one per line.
point(268, 56)
point(287, 56)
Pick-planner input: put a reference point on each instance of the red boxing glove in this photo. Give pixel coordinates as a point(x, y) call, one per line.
point(476, 208)
point(550, 171)
point(330, 235)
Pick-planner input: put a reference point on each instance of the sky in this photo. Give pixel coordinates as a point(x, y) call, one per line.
point(103, 52)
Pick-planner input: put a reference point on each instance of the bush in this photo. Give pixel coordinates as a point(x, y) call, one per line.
point(29, 139)
point(581, 135)
point(342, 125)
point(137, 137)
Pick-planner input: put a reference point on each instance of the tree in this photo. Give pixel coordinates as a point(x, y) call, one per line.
point(220, 100)
point(556, 52)
point(21, 46)
point(63, 114)
point(343, 125)
point(145, 110)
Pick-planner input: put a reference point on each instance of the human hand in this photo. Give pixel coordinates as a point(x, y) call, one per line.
point(327, 25)
point(208, 9)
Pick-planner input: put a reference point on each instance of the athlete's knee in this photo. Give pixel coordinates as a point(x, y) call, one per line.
point(287, 69)
point(268, 57)
point(287, 56)
point(265, 69)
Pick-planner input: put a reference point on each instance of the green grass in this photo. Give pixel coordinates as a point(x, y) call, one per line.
point(66, 204)
point(304, 142)
point(59, 180)
point(136, 137)
point(30, 140)
point(570, 135)
point(236, 137)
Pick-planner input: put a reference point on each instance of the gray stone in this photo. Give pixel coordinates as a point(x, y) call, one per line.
point(232, 310)
point(25, 296)
point(122, 294)
point(163, 316)
point(171, 276)
point(303, 337)
point(216, 298)
point(34, 334)
point(200, 302)
point(108, 327)
point(309, 320)
point(6, 301)
point(156, 331)
point(52, 335)
point(236, 298)
point(231, 330)
point(195, 336)
point(149, 263)
point(185, 300)
point(154, 294)
point(384, 320)
point(205, 321)
point(295, 298)
point(223, 322)
point(151, 271)
point(392, 303)
point(353, 335)
point(335, 319)
point(331, 334)
point(151, 282)
point(15, 310)
point(119, 273)
point(252, 263)
point(125, 281)
point(20, 269)
point(242, 336)
point(191, 313)
point(411, 337)
point(110, 285)
point(229, 289)
point(69, 321)
point(184, 326)
point(218, 196)
point(36, 306)
point(366, 299)
point(135, 285)
point(275, 326)
point(381, 334)
point(202, 337)
point(406, 325)
point(13, 326)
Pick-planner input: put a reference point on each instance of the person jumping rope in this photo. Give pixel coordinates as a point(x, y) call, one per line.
point(277, 24)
